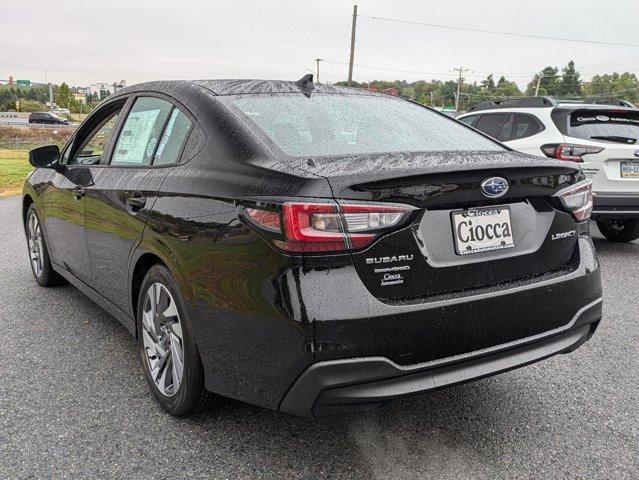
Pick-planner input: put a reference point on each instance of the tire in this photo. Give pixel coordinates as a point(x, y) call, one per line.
point(41, 267)
point(161, 345)
point(617, 230)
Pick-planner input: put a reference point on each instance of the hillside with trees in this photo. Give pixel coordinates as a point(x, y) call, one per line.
point(565, 83)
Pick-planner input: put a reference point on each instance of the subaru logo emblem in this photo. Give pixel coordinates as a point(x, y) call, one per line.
point(494, 187)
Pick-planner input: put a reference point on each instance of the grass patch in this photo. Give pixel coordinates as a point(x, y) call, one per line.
point(14, 167)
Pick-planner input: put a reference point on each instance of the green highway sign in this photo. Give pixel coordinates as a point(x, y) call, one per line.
point(23, 83)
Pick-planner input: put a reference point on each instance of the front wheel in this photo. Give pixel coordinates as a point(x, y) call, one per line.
point(618, 230)
point(171, 359)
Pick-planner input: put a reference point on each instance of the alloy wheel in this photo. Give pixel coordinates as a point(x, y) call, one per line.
point(163, 340)
point(35, 244)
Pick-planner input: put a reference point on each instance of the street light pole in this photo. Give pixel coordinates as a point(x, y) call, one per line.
point(539, 77)
point(317, 60)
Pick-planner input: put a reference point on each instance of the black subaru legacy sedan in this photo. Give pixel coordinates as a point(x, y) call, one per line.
point(309, 248)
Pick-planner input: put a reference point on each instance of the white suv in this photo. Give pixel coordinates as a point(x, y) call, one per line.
point(603, 138)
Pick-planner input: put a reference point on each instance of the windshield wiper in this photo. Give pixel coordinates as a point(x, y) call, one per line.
point(613, 138)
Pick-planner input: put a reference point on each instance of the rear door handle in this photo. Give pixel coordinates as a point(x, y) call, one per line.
point(136, 201)
point(78, 193)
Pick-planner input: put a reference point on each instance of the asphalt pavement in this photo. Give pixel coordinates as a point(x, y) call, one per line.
point(74, 404)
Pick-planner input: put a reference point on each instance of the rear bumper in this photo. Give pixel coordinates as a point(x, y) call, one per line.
point(610, 205)
point(279, 335)
point(341, 386)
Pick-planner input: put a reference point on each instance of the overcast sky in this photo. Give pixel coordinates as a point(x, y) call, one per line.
point(82, 42)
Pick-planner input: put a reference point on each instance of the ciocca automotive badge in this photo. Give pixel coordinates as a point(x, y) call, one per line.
point(494, 187)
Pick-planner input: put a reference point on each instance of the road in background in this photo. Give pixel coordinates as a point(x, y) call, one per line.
point(74, 402)
point(21, 119)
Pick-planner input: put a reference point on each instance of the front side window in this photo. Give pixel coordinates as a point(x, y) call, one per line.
point(327, 125)
point(94, 144)
point(97, 142)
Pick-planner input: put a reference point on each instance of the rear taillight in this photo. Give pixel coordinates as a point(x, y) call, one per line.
point(569, 151)
point(578, 200)
point(327, 227)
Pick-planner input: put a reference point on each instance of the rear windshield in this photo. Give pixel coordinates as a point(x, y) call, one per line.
point(326, 125)
point(618, 126)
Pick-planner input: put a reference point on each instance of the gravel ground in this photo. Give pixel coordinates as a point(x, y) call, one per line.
point(74, 403)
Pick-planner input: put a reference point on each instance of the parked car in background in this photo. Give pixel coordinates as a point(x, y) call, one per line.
point(61, 111)
point(602, 138)
point(310, 248)
point(47, 118)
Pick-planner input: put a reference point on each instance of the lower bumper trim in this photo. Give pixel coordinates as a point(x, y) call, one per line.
point(623, 205)
point(341, 386)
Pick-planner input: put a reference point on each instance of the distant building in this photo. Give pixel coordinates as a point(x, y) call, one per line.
point(102, 89)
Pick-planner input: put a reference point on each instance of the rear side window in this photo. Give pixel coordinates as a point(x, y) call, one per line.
point(495, 125)
point(141, 132)
point(469, 120)
point(525, 125)
point(175, 134)
point(618, 126)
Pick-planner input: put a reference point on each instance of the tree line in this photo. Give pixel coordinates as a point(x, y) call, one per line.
point(34, 98)
point(551, 81)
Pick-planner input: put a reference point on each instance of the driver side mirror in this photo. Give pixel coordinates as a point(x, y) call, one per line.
point(44, 157)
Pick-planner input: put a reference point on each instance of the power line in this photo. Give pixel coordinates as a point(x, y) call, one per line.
point(339, 49)
point(497, 32)
point(611, 93)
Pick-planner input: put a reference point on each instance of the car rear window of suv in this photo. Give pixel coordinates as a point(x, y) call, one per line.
point(618, 126)
point(335, 124)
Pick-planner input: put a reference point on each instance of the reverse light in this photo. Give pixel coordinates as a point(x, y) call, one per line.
point(578, 200)
point(327, 227)
point(569, 151)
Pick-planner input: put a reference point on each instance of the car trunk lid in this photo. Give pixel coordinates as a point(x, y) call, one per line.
point(423, 258)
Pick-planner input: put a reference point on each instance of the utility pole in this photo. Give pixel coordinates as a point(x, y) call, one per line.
point(461, 71)
point(431, 98)
point(350, 63)
point(317, 60)
point(50, 98)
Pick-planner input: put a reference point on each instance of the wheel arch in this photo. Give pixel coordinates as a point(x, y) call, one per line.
point(142, 265)
point(27, 201)
point(142, 261)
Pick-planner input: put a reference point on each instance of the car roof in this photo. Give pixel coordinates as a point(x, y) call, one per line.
point(243, 86)
point(594, 106)
point(561, 106)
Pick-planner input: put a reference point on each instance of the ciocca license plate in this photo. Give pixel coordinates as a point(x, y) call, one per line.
point(482, 230)
point(629, 169)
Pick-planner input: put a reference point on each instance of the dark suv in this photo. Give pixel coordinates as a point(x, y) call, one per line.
point(309, 248)
point(48, 118)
